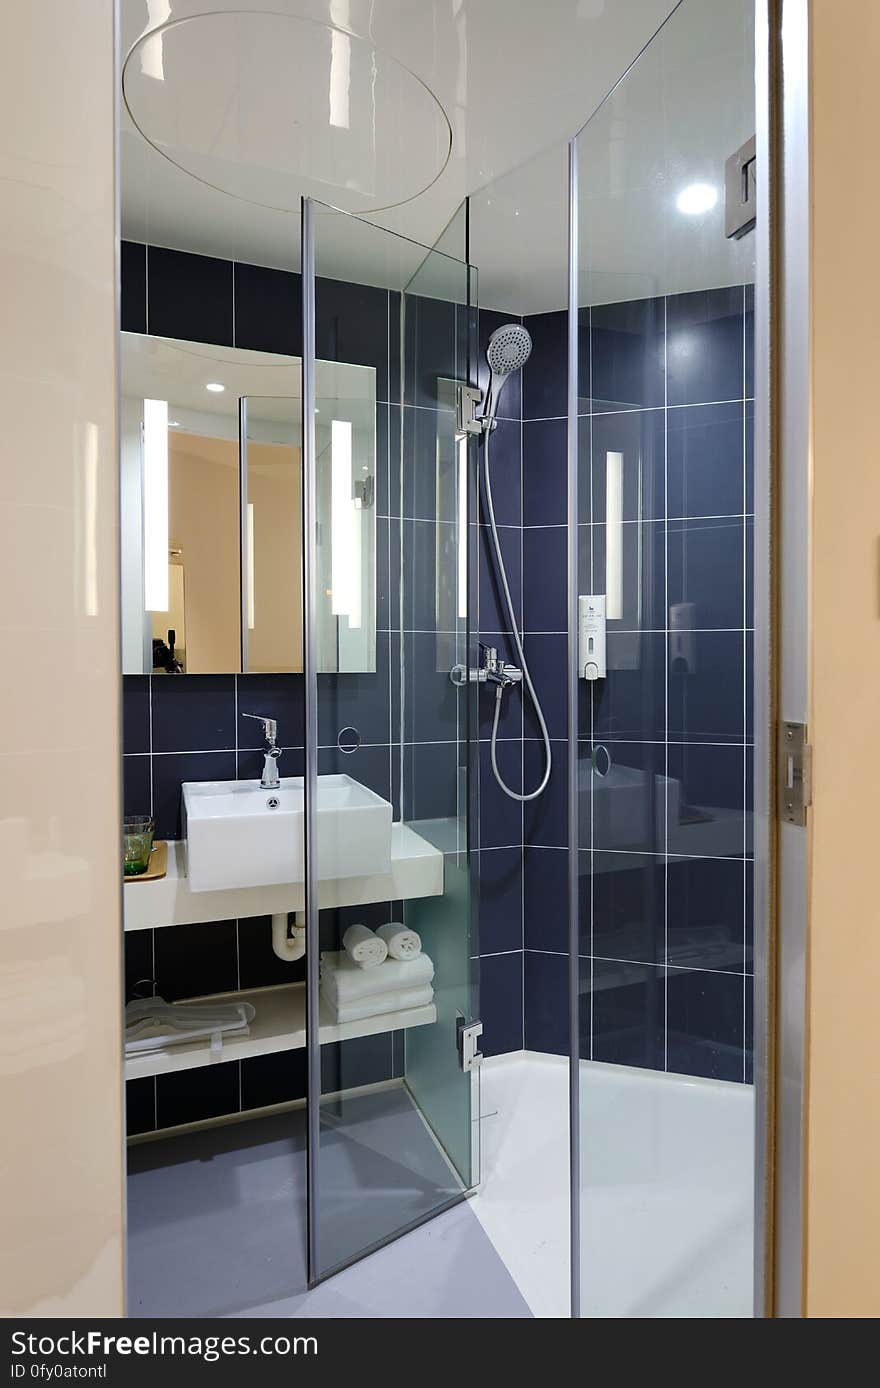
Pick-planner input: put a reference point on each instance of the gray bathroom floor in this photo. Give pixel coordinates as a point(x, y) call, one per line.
point(217, 1223)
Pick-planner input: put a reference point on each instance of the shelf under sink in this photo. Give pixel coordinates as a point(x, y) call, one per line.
point(279, 1024)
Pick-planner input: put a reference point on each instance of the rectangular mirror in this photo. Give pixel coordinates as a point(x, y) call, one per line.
point(211, 510)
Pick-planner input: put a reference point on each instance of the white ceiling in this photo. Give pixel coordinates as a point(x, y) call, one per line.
point(367, 103)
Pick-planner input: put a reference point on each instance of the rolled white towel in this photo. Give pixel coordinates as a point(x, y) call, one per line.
point(343, 981)
point(402, 943)
point(376, 1004)
point(363, 947)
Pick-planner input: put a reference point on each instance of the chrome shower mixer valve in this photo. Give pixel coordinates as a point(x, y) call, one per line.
point(494, 670)
point(491, 670)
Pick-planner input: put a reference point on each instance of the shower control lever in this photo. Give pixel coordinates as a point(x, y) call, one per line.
point(491, 670)
point(497, 671)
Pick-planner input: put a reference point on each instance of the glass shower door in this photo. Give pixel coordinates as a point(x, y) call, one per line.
point(665, 751)
point(389, 761)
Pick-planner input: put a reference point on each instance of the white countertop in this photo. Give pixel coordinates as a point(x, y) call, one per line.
point(416, 871)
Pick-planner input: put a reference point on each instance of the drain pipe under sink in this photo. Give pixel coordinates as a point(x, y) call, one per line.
point(293, 946)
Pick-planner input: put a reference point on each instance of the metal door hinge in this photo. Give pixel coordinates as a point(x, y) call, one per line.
point(468, 1036)
point(795, 773)
point(467, 398)
point(740, 191)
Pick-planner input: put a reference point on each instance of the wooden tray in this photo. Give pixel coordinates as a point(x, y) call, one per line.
point(158, 865)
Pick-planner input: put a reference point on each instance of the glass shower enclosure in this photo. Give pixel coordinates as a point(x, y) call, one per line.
point(631, 255)
point(663, 747)
point(393, 1120)
point(663, 752)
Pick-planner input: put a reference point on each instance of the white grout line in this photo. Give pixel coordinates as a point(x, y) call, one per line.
point(666, 683)
point(641, 409)
point(522, 730)
point(147, 288)
point(150, 706)
point(593, 696)
point(745, 689)
point(679, 968)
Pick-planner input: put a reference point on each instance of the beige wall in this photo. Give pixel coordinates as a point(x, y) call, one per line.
point(275, 489)
point(60, 1066)
point(203, 520)
point(843, 1126)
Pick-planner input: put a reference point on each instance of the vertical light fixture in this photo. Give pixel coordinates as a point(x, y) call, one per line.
point(343, 521)
point(340, 80)
point(354, 604)
point(614, 536)
point(251, 601)
point(152, 54)
point(462, 536)
point(156, 505)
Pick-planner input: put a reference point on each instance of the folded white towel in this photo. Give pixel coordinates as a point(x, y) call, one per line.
point(344, 982)
point(363, 947)
point(151, 1024)
point(402, 943)
point(376, 1004)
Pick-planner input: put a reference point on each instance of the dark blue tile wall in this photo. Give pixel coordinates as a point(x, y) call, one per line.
point(662, 893)
point(665, 757)
point(182, 729)
point(191, 728)
point(189, 296)
point(133, 287)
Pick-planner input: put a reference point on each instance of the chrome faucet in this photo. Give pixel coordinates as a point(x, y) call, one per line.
point(269, 779)
point(491, 670)
point(494, 670)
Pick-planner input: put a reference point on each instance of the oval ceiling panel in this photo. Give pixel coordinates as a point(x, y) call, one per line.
point(270, 108)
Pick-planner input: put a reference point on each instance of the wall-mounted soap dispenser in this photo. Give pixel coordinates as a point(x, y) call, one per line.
point(682, 645)
point(592, 664)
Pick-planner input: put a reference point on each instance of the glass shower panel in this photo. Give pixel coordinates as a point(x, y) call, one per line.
point(664, 754)
point(391, 1128)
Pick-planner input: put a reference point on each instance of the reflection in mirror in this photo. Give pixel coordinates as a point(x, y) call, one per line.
point(271, 592)
point(211, 502)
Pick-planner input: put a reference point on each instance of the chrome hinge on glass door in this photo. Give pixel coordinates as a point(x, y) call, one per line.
point(467, 399)
point(468, 1038)
point(794, 773)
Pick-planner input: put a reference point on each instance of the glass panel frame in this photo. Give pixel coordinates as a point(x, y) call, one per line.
point(346, 1221)
point(583, 889)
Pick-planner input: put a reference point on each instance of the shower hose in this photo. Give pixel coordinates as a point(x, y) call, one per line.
point(517, 640)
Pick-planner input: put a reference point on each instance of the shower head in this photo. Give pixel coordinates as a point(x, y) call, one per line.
point(509, 349)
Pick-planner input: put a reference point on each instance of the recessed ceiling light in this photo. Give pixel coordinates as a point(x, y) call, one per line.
point(696, 198)
point(215, 386)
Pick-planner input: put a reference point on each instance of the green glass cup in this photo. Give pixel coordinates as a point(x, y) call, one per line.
point(137, 844)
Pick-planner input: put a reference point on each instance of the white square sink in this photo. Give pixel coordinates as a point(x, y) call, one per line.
point(239, 835)
point(621, 806)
